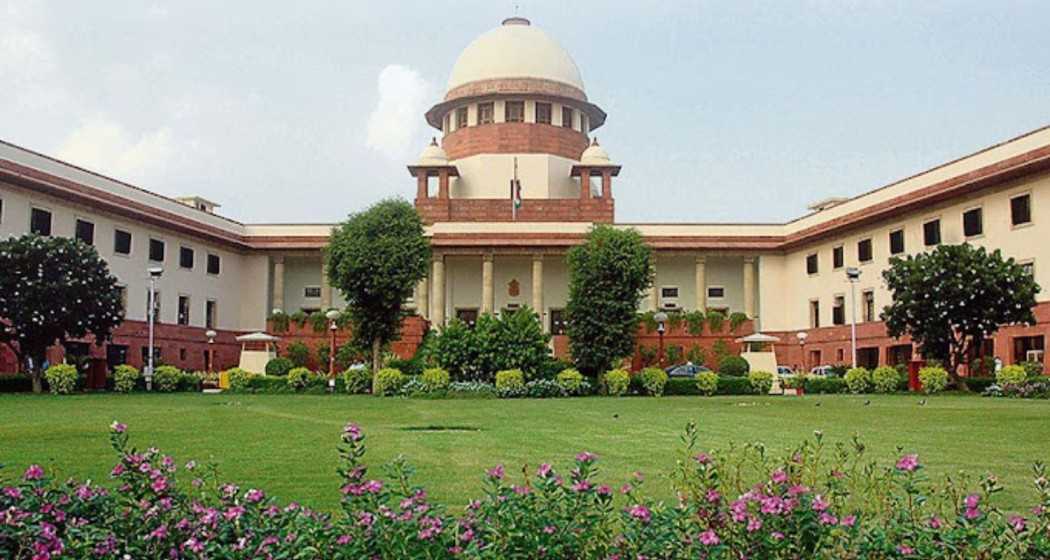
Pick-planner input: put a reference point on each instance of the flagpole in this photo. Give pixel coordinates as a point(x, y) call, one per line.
point(513, 193)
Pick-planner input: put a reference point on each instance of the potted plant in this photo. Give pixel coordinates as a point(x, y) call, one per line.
point(796, 382)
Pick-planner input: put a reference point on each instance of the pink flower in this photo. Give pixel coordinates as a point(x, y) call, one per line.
point(544, 470)
point(604, 490)
point(778, 535)
point(713, 496)
point(904, 549)
point(935, 522)
point(626, 489)
point(709, 538)
point(753, 524)
point(373, 486)
point(702, 458)
point(972, 500)
point(581, 486)
point(194, 545)
point(234, 512)
point(117, 427)
point(496, 473)
point(13, 492)
point(520, 490)
point(828, 519)
point(640, 512)
point(159, 533)
point(254, 496)
point(848, 521)
point(908, 463)
point(779, 476)
point(34, 472)
point(344, 540)
point(972, 513)
point(586, 457)
point(159, 485)
point(550, 529)
point(819, 503)
point(118, 470)
point(1017, 523)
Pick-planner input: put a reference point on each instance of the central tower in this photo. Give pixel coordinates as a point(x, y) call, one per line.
point(515, 108)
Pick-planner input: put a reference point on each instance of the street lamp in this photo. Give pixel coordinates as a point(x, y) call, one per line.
point(661, 320)
point(801, 336)
point(154, 273)
point(332, 315)
point(211, 349)
point(853, 275)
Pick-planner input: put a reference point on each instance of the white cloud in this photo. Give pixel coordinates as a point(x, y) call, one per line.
point(102, 145)
point(394, 123)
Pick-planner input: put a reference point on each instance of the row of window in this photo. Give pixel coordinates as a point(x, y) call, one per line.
point(513, 111)
point(211, 308)
point(972, 222)
point(838, 310)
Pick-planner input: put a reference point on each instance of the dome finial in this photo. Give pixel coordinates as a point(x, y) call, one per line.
point(433, 141)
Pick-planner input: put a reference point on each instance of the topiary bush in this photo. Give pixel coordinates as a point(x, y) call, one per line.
point(238, 378)
point(166, 378)
point(510, 383)
point(1011, 375)
point(279, 367)
point(858, 380)
point(707, 382)
point(435, 379)
point(300, 377)
point(125, 378)
point(62, 378)
point(387, 382)
point(616, 382)
point(885, 379)
point(933, 379)
point(734, 366)
point(653, 381)
point(298, 353)
point(761, 381)
point(570, 380)
point(357, 380)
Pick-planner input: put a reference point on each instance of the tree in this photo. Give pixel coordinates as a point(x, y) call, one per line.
point(952, 298)
point(514, 340)
point(375, 258)
point(53, 289)
point(608, 274)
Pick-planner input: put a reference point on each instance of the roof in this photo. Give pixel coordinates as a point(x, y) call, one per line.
point(258, 337)
point(758, 337)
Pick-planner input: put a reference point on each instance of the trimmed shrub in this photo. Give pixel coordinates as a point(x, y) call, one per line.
point(1034, 369)
point(825, 385)
point(729, 385)
point(681, 386)
point(736, 319)
point(858, 380)
point(510, 383)
point(435, 379)
point(616, 382)
point(357, 380)
point(653, 381)
point(410, 368)
point(570, 380)
point(266, 384)
point(387, 381)
point(544, 389)
point(706, 382)
point(552, 367)
point(191, 380)
point(933, 379)
point(761, 381)
point(1011, 375)
point(279, 367)
point(238, 378)
point(62, 378)
point(471, 390)
point(300, 377)
point(298, 353)
point(733, 366)
point(166, 378)
point(885, 379)
point(125, 378)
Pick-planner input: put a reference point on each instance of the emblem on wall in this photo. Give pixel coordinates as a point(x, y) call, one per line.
point(513, 288)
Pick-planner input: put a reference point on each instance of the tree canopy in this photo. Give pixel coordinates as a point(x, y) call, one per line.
point(952, 298)
point(608, 275)
point(53, 289)
point(513, 340)
point(375, 258)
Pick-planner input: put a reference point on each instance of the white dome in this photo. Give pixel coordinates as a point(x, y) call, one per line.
point(595, 155)
point(433, 154)
point(515, 49)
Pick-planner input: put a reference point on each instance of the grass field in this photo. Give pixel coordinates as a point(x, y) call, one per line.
point(286, 443)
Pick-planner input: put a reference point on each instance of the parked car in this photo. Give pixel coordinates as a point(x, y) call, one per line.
point(785, 371)
point(823, 371)
point(687, 369)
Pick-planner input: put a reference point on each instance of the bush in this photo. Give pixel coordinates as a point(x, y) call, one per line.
point(616, 382)
point(387, 382)
point(544, 389)
point(1034, 369)
point(734, 366)
point(653, 381)
point(570, 380)
point(279, 367)
point(510, 383)
point(298, 353)
point(858, 380)
point(357, 380)
point(239, 378)
point(885, 379)
point(435, 379)
point(166, 378)
point(191, 380)
point(933, 379)
point(736, 319)
point(761, 382)
point(825, 385)
point(1011, 375)
point(471, 390)
point(979, 384)
point(410, 368)
point(513, 340)
point(729, 385)
point(62, 378)
point(266, 384)
point(300, 377)
point(125, 378)
point(707, 382)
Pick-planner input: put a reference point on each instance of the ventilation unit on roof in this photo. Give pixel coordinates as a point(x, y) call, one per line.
point(824, 204)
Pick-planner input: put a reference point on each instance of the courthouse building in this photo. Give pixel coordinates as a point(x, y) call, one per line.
point(516, 109)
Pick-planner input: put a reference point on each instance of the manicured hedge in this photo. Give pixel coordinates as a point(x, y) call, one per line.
point(729, 385)
point(681, 386)
point(825, 385)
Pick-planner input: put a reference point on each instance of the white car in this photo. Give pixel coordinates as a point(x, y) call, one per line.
point(820, 371)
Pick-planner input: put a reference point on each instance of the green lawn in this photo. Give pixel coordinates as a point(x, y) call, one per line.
point(286, 443)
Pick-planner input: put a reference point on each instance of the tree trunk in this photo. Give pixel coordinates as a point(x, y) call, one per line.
point(38, 386)
point(377, 345)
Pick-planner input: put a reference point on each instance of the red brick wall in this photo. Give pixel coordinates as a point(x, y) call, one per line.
point(680, 337)
point(532, 210)
point(515, 138)
point(412, 330)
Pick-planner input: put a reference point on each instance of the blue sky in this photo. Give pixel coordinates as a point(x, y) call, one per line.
point(719, 112)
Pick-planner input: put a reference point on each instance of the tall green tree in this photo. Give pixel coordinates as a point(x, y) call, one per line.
point(952, 298)
point(53, 289)
point(375, 258)
point(608, 275)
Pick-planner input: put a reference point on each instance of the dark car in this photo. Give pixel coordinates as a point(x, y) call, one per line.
point(685, 370)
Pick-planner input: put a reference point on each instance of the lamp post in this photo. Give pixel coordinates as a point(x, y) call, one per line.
point(154, 273)
point(211, 349)
point(801, 336)
point(332, 315)
point(661, 320)
point(853, 275)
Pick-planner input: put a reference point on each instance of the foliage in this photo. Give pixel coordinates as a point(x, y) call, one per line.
point(411, 367)
point(653, 380)
point(53, 289)
point(62, 378)
point(715, 320)
point(1034, 369)
point(544, 389)
point(648, 355)
point(1028, 390)
point(300, 377)
point(707, 382)
point(239, 378)
point(616, 382)
point(514, 340)
point(933, 379)
point(322, 352)
point(825, 385)
point(956, 294)
point(510, 383)
point(387, 382)
point(1011, 375)
point(720, 349)
point(608, 274)
point(279, 321)
point(858, 380)
point(279, 367)
point(318, 322)
point(733, 365)
point(673, 354)
point(797, 381)
point(570, 380)
point(647, 319)
point(357, 380)
point(435, 379)
point(885, 379)
point(696, 355)
point(472, 390)
point(298, 317)
point(761, 381)
point(298, 353)
point(694, 322)
point(125, 378)
point(166, 378)
point(736, 319)
point(375, 258)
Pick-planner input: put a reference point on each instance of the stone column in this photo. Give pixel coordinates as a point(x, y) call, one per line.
point(606, 184)
point(326, 286)
point(585, 183)
point(278, 283)
point(437, 301)
point(421, 184)
point(488, 293)
point(443, 184)
point(701, 283)
point(537, 288)
point(749, 286)
point(422, 299)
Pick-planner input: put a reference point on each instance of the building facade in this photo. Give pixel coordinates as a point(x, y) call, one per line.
point(514, 178)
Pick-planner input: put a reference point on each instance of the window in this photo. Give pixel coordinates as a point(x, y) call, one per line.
point(973, 222)
point(811, 264)
point(121, 242)
point(40, 222)
point(543, 113)
point(210, 307)
point(444, 124)
point(868, 301)
point(186, 257)
point(486, 113)
point(864, 250)
point(312, 292)
point(814, 314)
point(669, 297)
point(468, 316)
point(461, 118)
point(838, 311)
point(145, 355)
point(841, 354)
point(123, 300)
point(897, 242)
point(931, 232)
point(1029, 268)
point(213, 264)
point(898, 354)
point(716, 292)
point(566, 117)
point(558, 323)
point(85, 232)
point(514, 111)
point(156, 250)
point(184, 310)
point(1021, 209)
point(1029, 348)
point(182, 354)
point(836, 258)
